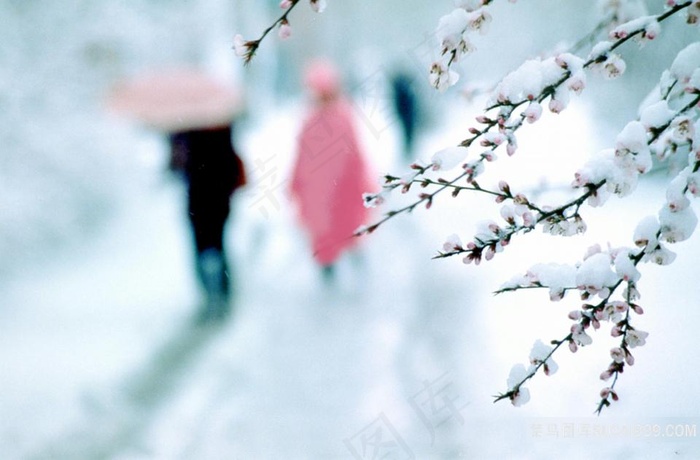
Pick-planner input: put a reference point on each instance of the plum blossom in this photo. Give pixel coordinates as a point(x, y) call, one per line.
point(613, 67)
point(520, 397)
point(479, 21)
point(450, 31)
point(533, 112)
point(448, 158)
point(635, 338)
point(625, 268)
point(618, 355)
point(539, 354)
point(441, 77)
point(452, 243)
point(579, 335)
point(677, 226)
point(518, 374)
point(676, 199)
point(285, 30)
point(612, 311)
point(694, 13)
point(645, 234)
point(240, 45)
point(559, 100)
point(660, 255)
point(318, 5)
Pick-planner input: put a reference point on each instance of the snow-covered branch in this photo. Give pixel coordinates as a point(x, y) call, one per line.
point(667, 127)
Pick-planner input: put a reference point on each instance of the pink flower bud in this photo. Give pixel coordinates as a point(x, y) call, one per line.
point(285, 4)
point(572, 346)
point(285, 30)
point(606, 375)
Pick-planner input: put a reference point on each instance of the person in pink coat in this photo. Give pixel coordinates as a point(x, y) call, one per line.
point(330, 173)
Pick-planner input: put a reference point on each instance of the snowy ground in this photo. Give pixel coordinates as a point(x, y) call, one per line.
point(399, 360)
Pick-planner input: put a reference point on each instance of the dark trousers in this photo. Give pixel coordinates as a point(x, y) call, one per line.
point(208, 214)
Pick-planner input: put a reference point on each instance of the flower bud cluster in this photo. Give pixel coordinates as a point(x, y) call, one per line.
point(453, 32)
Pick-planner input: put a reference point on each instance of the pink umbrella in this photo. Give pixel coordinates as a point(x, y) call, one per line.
point(176, 100)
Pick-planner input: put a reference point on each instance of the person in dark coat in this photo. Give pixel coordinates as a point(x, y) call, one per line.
point(406, 108)
point(213, 171)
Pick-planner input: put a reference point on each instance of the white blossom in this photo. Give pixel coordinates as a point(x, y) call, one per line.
point(450, 30)
point(635, 338)
point(613, 67)
point(239, 45)
point(448, 158)
point(285, 30)
point(318, 5)
point(617, 354)
point(479, 21)
point(676, 199)
point(518, 373)
point(646, 231)
point(533, 112)
point(452, 243)
point(441, 77)
point(520, 397)
point(539, 353)
point(625, 268)
point(661, 255)
point(579, 335)
point(677, 226)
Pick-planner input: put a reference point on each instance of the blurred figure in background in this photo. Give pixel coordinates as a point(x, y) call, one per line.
point(213, 171)
point(330, 173)
point(406, 109)
point(195, 111)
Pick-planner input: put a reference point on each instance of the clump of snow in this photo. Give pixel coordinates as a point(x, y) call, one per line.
point(686, 63)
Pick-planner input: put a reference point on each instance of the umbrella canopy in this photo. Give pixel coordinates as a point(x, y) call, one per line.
point(176, 100)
